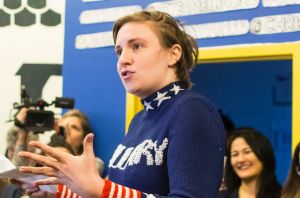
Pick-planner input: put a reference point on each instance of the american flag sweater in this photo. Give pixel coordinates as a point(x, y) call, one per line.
point(173, 148)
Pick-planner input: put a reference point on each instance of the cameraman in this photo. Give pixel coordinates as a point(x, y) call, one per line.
point(18, 138)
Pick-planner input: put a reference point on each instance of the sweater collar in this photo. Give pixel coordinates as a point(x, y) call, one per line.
point(156, 99)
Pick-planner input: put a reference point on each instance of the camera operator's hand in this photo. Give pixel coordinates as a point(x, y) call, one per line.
point(21, 116)
point(22, 134)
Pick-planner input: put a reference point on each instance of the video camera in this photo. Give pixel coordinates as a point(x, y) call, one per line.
point(39, 119)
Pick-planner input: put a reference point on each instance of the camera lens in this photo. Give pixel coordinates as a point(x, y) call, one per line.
point(61, 130)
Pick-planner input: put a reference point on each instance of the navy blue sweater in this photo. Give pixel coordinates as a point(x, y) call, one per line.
point(173, 148)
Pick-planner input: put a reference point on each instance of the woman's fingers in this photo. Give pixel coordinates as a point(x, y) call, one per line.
point(30, 188)
point(58, 155)
point(88, 148)
point(44, 160)
point(48, 171)
point(47, 181)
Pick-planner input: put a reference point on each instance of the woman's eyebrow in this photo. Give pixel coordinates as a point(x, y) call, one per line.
point(130, 41)
point(136, 39)
point(75, 126)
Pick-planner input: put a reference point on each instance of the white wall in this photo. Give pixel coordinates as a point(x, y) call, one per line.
point(34, 44)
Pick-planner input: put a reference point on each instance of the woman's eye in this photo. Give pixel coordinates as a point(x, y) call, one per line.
point(136, 46)
point(234, 155)
point(118, 52)
point(248, 151)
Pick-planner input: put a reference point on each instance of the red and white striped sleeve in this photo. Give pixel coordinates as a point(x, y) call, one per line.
point(110, 190)
point(113, 190)
point(64, 192)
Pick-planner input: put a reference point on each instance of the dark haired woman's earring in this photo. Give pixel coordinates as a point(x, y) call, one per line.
point(298, 170)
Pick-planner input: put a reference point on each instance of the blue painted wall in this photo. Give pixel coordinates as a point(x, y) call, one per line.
point(253, 94)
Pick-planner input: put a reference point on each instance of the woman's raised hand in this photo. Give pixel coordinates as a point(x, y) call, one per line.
point(79, 173)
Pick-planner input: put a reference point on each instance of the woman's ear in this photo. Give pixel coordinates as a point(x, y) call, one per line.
point(175, 54)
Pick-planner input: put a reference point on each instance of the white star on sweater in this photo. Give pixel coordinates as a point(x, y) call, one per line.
point(176, 89)
point(147, 105)
point(161, 97)
point(149, 195)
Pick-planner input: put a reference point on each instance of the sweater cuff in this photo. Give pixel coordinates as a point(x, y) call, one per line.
point(113, 190)
point(110, 190)
point(64, 192)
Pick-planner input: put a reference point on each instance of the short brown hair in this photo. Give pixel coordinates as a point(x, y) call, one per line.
point(82, 118)
point(169, 32)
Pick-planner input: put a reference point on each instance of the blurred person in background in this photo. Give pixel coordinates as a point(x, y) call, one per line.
point(73, 127)
point(17, 139)
point(250, 166)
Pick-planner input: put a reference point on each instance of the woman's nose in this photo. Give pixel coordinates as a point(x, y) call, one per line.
point(125, 57)
point(241, 158)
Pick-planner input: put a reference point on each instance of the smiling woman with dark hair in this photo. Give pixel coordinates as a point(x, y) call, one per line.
point(250, 166)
